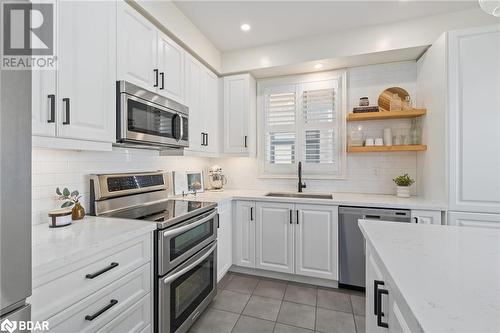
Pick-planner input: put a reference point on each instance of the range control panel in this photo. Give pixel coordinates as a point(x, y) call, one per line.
point(122, 183)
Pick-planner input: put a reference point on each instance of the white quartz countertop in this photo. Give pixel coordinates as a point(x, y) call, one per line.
point(346, 199)
point(449, 276)
point(55, 247)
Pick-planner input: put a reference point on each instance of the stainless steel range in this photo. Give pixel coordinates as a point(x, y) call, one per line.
point(185, 242)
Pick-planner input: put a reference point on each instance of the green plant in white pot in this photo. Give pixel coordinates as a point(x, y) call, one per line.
point(403, 185)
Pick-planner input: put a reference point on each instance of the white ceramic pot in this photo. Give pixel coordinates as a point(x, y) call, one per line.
point(403, 191)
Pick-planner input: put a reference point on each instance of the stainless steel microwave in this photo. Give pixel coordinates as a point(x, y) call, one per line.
point(146, 118)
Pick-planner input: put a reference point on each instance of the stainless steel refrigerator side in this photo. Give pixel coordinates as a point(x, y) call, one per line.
point(15, 191)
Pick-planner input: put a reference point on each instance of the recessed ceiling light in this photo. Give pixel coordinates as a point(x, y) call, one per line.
point(318, 66)
point(245, 27)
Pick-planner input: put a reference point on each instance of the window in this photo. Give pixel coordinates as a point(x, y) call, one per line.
point(302, 119)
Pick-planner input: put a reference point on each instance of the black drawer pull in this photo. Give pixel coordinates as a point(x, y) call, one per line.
point(380, 314)
point(291, 218)
point(155, 71)
point(66, 102)
point(52, 118)
point(376, 283)
point(112, 303)
point(102, 271)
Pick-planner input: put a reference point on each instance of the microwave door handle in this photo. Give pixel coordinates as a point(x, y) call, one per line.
point(183, 271)
point(180, 230)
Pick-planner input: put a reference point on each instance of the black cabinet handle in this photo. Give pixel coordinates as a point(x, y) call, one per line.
point(251, 213)
point(380, 314)
point(156, 77)
point(102, 271)
point(376, 283)
point(297, 216)
point(246, 146)
point(291, 218)
point(415, 219)
point(67, 110)
point(162, 81)
point(202, 138)
point(52, 99)
point(112, 303)
point(206, 140)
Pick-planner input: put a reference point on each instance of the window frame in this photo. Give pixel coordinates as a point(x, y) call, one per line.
point(288, 171)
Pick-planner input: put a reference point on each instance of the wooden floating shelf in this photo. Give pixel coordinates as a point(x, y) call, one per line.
point(386, 115)
point(373, 149)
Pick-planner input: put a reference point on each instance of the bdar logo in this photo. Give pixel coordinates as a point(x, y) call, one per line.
point(8, 326)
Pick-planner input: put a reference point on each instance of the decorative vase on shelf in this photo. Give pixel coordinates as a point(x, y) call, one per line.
point(403, 191)
point(78, 212)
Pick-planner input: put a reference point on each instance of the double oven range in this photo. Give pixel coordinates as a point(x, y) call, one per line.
point(185, 242)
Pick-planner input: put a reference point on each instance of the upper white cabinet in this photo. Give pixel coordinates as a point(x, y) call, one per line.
point(202, 92)
point(474, 119)
point(244, 234)
point(275, 236)
point(316, 241)
point(78, 102)
point(240, 115)
point(146, 57)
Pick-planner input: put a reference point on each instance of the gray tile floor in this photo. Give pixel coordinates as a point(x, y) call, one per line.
point(249, 304)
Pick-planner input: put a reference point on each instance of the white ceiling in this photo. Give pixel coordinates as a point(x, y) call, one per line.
point(275, 21)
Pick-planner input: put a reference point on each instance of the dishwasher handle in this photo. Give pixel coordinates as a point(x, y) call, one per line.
point(371, 217)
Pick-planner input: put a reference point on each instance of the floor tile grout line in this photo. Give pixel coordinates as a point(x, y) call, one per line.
point(353, 318)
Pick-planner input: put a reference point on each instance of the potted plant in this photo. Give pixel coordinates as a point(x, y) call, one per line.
point(71, 199)
point(403, 185)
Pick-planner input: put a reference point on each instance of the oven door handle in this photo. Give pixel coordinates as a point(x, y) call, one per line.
point(183, 271)
point(180, 230)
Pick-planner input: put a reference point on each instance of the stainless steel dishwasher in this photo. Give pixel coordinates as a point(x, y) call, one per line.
point(352, 243)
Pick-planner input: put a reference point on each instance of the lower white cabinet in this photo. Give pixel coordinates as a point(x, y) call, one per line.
point(426, 216)
point(474, 219)
point(224, 239)
point(244, 234)
point(274, 236)
point(287, 238)
point(316, 241)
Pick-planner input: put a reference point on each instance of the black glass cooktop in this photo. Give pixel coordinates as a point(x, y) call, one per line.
point(165, 213)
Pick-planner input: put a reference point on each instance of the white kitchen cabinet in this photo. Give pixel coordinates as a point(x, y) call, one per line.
point(171, 68)
point(137, 48)
point(374, 278)
point(240, 115)
point(202, 99)
point(274, 236)
point(244, 234)
point(316, 241)
point(426, 216)
point(474, 220)
point(77, 103)
point(147, 57)
point(224, 239)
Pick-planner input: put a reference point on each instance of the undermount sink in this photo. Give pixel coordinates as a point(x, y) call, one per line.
point(299, 195)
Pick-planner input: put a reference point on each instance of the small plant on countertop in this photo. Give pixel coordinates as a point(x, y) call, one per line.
point(69, 198)
point(404, 180)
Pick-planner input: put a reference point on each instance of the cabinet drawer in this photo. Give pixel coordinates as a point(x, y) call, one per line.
point(70, 284)
point(136, 318)
point(95, 311)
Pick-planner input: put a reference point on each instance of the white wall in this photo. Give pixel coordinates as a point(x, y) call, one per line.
point(65, 168)
point(432, 92)
point(183, 30)
point(366, 173)
point(378, 38)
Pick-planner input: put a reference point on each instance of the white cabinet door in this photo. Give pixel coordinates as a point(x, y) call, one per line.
point(239, 114)
point(224, 239)
point(374, 278)
point(171, 68)
point(244, 234)
point(137, 48)
point(210, 113)
point(426, 216)
point(43, 102)
point(87, 72)
point(474, 220)
point(274, 236)
point(193, 101)
point(316, 244)
point(474, 83)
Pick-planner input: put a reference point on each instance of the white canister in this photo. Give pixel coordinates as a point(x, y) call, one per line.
point(60, 217)
point(388, 136)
